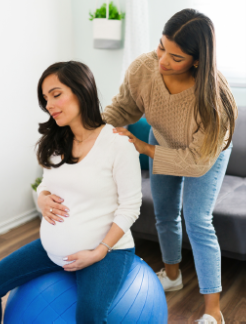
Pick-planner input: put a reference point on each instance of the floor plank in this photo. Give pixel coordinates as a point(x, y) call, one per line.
point(184, 306)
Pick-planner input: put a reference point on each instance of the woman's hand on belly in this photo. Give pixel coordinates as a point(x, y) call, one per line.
point(85, 258)
point(51, 206)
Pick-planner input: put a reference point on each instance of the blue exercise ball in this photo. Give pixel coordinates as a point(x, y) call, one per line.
point(52, 298)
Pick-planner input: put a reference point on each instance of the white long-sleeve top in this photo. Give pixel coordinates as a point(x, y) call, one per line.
point(103, 188)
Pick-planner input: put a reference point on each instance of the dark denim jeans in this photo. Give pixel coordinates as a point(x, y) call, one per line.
point(199, 196)
point(101, 281)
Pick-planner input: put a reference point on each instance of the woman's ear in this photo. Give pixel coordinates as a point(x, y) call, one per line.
point(196, 64)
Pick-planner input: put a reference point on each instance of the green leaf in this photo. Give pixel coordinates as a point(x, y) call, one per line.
point(113, 12)
point(36, 184)
point(91, 16)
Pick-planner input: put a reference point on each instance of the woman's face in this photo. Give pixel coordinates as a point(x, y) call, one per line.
point(62, 103)
point(172, 60)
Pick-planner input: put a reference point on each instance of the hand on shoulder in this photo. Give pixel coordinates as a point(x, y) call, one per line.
point(140, 146)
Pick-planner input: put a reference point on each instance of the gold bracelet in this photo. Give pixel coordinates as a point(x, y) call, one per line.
point(109, 248)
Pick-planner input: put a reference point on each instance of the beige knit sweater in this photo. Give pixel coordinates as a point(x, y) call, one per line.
point(170, 115)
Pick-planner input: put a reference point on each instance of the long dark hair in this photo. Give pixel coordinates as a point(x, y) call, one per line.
point(59, 140)
point(194, 33)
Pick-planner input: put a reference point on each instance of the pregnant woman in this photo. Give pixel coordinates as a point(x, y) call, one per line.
point(189, 105)
point(90, 196)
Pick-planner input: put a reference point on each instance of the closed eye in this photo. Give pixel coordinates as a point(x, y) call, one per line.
point(176, 61)
point(163, 49)
point(57, 95)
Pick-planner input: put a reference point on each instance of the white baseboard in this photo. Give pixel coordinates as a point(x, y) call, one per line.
point(18, 220)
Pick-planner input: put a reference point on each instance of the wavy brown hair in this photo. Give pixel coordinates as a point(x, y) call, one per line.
point(59, 140)
point(194, 33)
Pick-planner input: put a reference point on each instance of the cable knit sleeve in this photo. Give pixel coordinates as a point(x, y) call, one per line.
point(127, 176)
point(124, 109)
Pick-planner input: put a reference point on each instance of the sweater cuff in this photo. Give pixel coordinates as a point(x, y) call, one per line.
point(113, 120)
point(164, 161)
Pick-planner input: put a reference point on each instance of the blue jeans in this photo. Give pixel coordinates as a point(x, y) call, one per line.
point(101, 281)
point(198, 197)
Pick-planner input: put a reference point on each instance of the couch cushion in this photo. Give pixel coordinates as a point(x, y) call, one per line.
point(237, 163)
point(141, 130)
point(229, 217)
point(146, 222)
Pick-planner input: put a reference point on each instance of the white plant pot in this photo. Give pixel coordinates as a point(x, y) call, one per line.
point(35, 199)
point(107, 33)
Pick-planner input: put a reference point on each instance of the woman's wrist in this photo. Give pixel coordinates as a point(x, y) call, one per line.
point(150, 150)
point(101, 251)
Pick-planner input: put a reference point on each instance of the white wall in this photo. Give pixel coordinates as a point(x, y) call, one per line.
point(105, 64)
point(34, 34)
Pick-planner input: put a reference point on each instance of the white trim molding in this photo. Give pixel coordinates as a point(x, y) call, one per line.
point(18, 220)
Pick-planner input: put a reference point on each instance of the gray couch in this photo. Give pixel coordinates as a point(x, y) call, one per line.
point(230, 210)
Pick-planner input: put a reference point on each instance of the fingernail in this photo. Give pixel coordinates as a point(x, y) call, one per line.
point(66, 215)
point(61, 199)
point(64, 259)
point(67, 210)
point(61, 220)
point(53, 223)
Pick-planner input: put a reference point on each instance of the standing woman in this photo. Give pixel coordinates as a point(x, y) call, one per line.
point(191, 109)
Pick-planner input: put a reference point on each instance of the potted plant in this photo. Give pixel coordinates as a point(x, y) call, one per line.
point(35, 196)
point(107, 26)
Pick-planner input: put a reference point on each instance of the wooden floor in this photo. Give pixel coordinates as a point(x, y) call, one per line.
point(184, 306)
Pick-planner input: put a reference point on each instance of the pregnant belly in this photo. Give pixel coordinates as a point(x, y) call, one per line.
point(71, 236)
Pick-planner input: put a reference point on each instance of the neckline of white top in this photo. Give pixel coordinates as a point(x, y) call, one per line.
point(92, 149)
